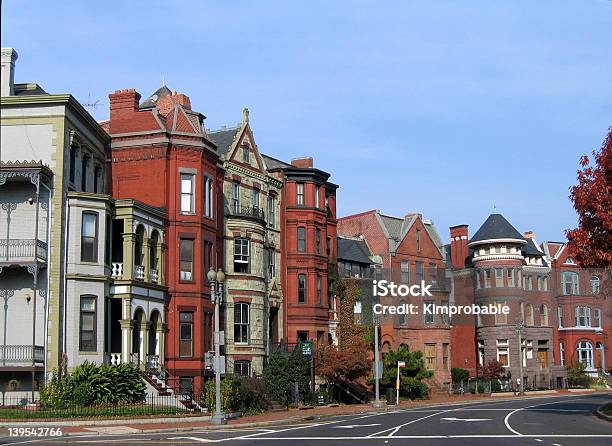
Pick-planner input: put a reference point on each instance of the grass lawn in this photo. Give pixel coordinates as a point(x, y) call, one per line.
point(92, 411)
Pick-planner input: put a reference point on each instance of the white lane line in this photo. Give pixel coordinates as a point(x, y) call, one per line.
point(397, 428)
point(465, 419)
point(197, 439)
point(369, 439)
point(352, 426)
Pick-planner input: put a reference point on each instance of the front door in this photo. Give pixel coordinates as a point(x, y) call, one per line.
point(543, 357)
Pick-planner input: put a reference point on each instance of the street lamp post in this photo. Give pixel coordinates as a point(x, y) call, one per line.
point(519, 329)
point(376, 363)
point(216, 280)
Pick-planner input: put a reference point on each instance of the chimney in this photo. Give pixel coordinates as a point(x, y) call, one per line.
point(302, 163)
point(9, 56)
point(123, 103)
point(166, 104)
point(528, 235)
point(459, 245)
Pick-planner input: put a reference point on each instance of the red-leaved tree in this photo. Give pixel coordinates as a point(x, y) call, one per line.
point(591, 242)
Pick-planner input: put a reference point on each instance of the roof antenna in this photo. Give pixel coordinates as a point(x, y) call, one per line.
point(89, 104)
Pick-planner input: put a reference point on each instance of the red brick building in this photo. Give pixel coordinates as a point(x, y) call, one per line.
point(411, 251)
point(160, 154)
point(308, 219)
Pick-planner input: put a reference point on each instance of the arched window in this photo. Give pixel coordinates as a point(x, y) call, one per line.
point(529, 315)
point(241, 323)
point(595, 285)
point(543, 316)
point(585, 354)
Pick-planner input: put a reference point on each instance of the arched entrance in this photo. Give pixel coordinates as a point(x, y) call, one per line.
point(600, 357)
point(155, 340)
point(137, 355)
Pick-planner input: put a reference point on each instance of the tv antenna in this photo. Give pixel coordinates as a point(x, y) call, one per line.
point(92, 105)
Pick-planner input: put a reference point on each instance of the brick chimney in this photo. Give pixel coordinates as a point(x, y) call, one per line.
point(123, 103)
point(9, 56)
point(459, 245)
point(302, 163)
point(166, 104)
point(528, 235)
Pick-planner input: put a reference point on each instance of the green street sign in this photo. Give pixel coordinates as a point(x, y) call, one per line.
point(306, 347)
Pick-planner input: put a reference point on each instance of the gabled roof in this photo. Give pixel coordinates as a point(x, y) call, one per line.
point(393, 226)
point(496, 227)
point(273, 163)
point(354, 250)
point(151, 101)
point(224, 138)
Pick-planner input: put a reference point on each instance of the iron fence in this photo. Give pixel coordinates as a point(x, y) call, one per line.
point(22, 249)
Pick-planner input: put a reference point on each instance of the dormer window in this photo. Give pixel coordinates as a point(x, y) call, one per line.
point(246, 154)
point(570, 261)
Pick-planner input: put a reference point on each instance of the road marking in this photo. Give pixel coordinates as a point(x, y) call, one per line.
point(397, 428)
point(351, 426)
point(198, 439)
point(425, 437)
point(465, 419)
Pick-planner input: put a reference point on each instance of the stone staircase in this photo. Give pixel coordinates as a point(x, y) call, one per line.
point(159, 386)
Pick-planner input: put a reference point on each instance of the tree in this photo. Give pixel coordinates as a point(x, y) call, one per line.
point(411, 376)
point(350, 359)
point(591, 242)
point(458, 375)
point(491, 370)
point(276, 377)
point(299, 372)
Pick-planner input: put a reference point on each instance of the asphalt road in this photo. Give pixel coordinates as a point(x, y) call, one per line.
point(552, 421)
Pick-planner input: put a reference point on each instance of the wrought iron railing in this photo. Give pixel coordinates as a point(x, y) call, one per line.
point(21, 249)
point(21, 354)
point(249, 212)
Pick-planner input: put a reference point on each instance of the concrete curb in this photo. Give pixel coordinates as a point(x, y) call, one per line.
point(602, 415)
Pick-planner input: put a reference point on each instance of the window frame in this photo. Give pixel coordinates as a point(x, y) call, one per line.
point(302, 285)
point(182, 277)
point(242, 329)
point(187, 323)
point(301, 239)
point(94, 254)
point(183, 179)
point(239, 255)
point(90, 346)
point(299, 192)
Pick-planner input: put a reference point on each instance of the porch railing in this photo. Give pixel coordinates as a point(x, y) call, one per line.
point(117, 270)
point(153, 276)
point(22, 249)
point(21, 354)
point(139, 272)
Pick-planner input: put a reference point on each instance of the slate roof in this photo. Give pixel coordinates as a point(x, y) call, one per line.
point(530, 249)
point(151, 101)
point(393, 225)
point(496, 227)
point(223, 138)
point(274, 163)
point(353, 250)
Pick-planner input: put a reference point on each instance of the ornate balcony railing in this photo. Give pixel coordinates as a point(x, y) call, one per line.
point(248, 212)
point(117, 270)
point(22, 249)
point(139, 272)
point(21, 354)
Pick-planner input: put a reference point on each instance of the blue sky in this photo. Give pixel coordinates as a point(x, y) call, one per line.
point(441, 107)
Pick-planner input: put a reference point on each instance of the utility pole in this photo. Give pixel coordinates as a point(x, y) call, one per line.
point(216, 280)
point(519, 329)
point(376, 363)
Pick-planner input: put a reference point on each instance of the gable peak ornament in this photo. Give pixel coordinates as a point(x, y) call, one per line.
point(245, 115)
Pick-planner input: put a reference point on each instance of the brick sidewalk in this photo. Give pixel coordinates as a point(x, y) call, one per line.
point(124, 426)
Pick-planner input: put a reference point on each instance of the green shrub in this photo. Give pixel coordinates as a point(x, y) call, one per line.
point(495, 386)
point(577, 377)
point(459, 374)
point(228, 395)
point(251, 396)
point(411, 376)
point(276, 379)
point(299, 372)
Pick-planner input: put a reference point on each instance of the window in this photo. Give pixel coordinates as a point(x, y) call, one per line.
point(405, 271)
point(430, 356)
point(318, 240)
point(255, 198)
point(529, 315)
point(560, 320)
point(185, 334)
point(503, 352)
point(562, 352)
point(583, 317)
point(570, 283)
point(301, 288)
point(241, 323)
point(271, 263)
point(185, 385)
point(89, 237)
point(487, 274)
point(445, 356)
point(235, 196)
point(429, 316)
point(328, 245)
point(241, 255)
point(499, 277)
point(445, 315)
point(87, 324)
point(320, 290)
point(402, 317)
point(301, 239)
point(246, 154)
point(481, 353)
point(186, 259)
point(433, 274)
point(73, 156)
point(510, 277)
point(97, 178)
point(477, 280)
point(208, 197)
point(595, 285)
point(84, 167)
point(597, 318)
point(317, 195)
point(419, 271)
point(543, 316)
point(501, 318)
point(418, 239)
point(187, 193)
point(302, 336)
point(585, 354)
point(242, 368)
point(539, 283)
point(271, 210)
point(208, 257)
point(300, 194)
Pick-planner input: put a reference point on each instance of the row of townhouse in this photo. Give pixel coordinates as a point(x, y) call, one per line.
point(559, 314)
point(108, 231)
point(108, 236)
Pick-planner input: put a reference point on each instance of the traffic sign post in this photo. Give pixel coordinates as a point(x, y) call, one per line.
point(400, 365)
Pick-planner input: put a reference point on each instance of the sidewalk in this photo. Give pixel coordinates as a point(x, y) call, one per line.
point(292, 416)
